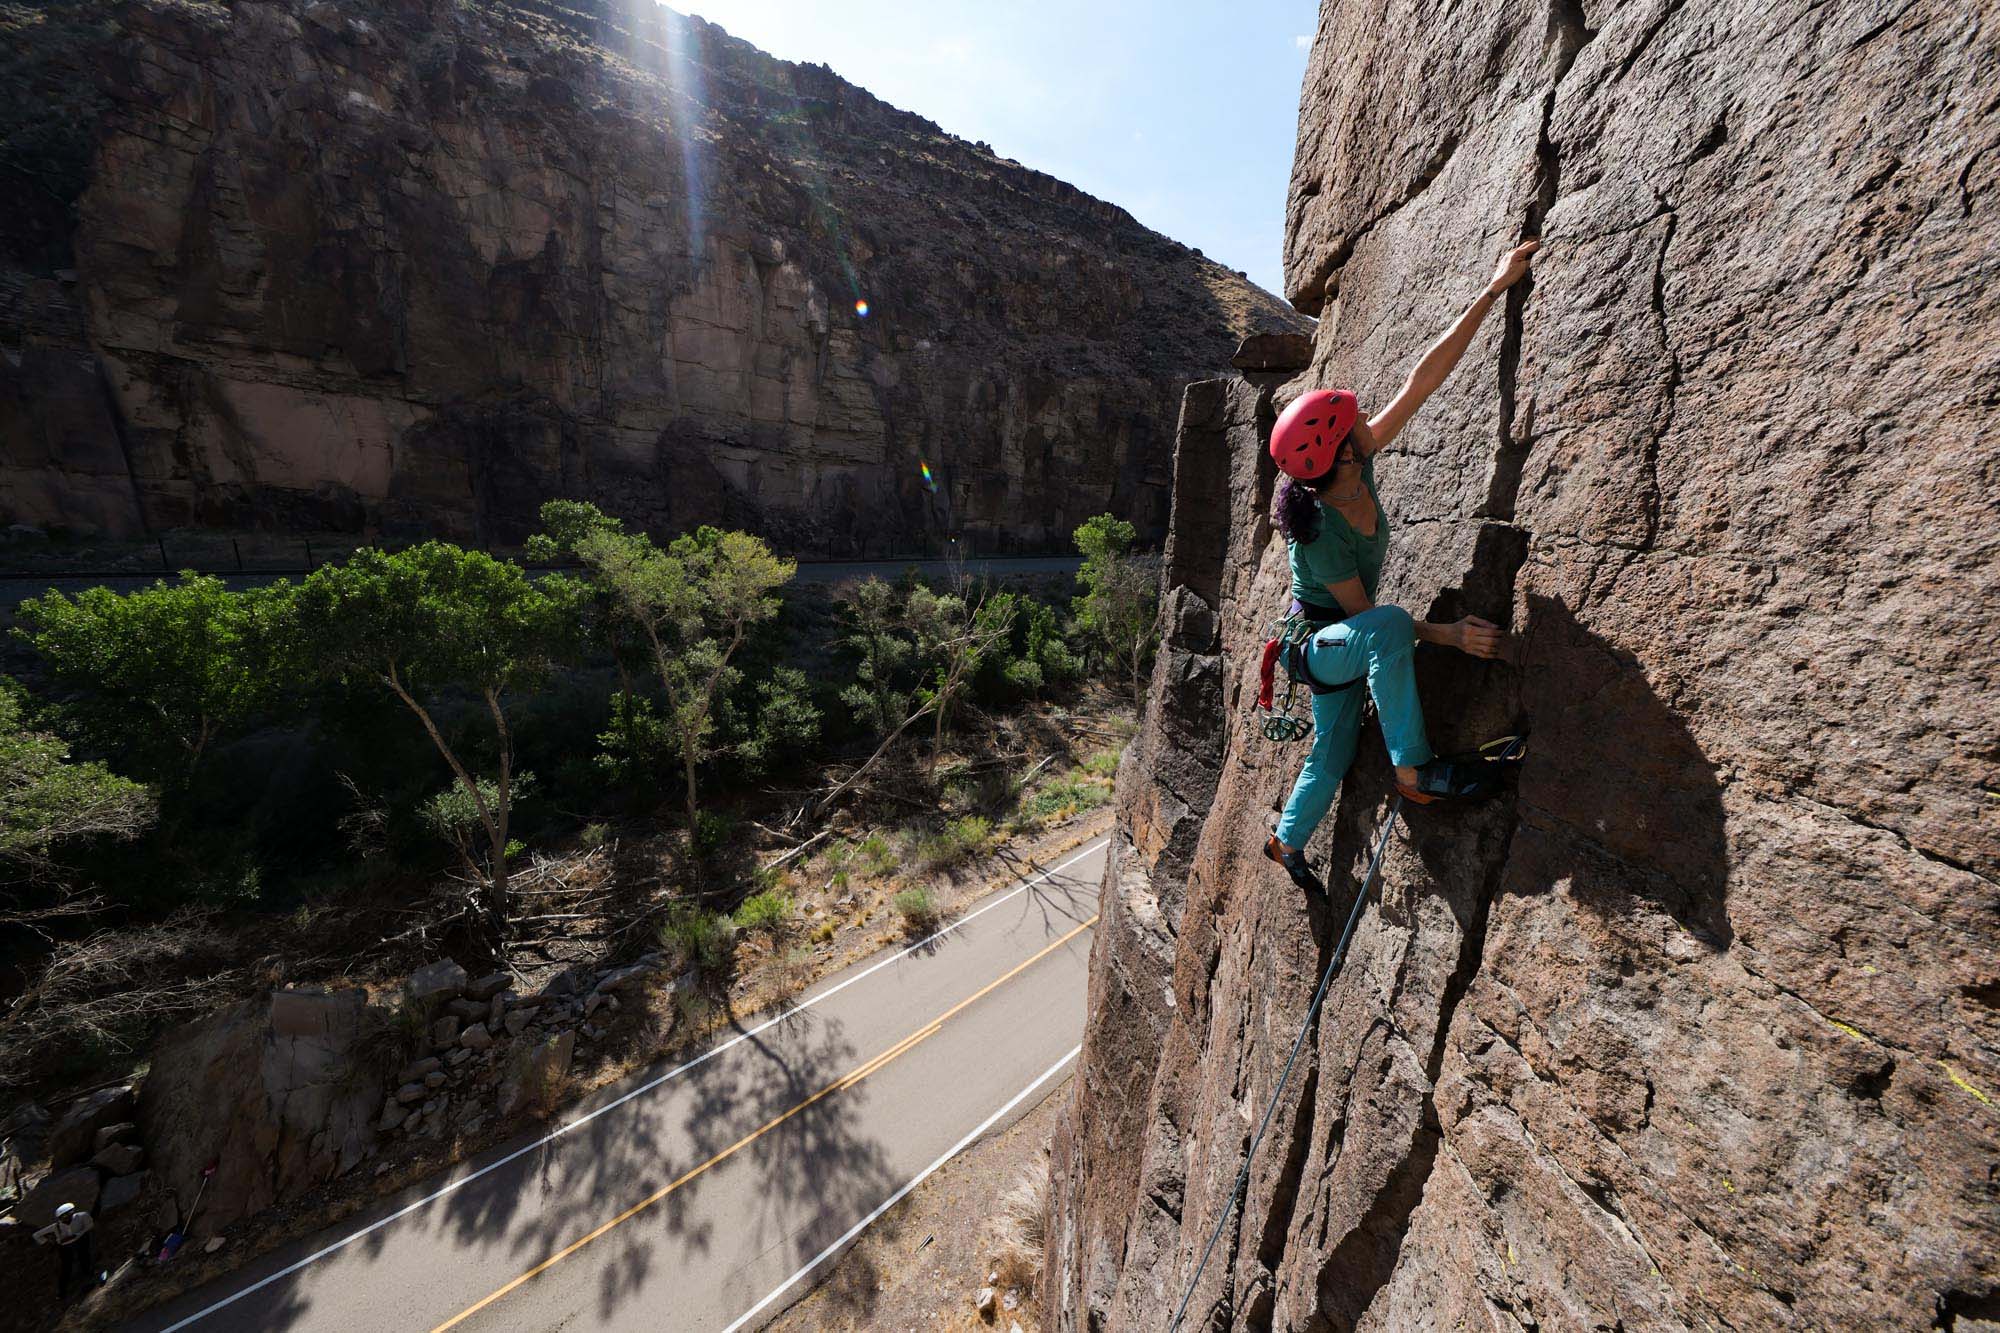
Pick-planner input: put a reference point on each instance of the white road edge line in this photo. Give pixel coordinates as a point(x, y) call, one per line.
point(643, 1088)
point(896, 1198)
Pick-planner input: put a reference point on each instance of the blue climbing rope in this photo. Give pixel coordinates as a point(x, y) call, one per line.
point(1312, 1012)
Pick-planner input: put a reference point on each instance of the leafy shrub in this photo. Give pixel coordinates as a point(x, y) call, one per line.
point(635, 748)
point(1103, 764)
point(712, 831)
point(1034, 657)
point(1059, 800)
point(694, 1008)
point(769, 911)
point(877, 857)
point(697, 936)
point(453, 815)
point(959, 841)
point(919, 909)
point(772, 721)
point(795, 970)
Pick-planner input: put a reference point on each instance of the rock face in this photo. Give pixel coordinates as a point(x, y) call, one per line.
point(280, 1092)
point(412, 267)
point(1696, 1025)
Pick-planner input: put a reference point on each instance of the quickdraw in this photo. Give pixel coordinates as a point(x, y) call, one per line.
point(1289, 718)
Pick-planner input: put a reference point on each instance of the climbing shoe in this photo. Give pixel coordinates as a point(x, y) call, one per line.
point(1466, 777)
point(1297, 867)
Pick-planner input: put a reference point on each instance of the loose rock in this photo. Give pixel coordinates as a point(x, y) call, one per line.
point(76, 1184)
point(532, 1070)
point(488, 986)
point(124, 1132)
point(121, 1191)
point(120, 1159)
point(435, 984)
point(74, 1137)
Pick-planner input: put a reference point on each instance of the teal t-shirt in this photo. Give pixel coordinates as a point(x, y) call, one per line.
point(1339, 553)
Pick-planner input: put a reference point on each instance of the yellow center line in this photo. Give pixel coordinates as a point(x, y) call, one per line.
point(847, 1080)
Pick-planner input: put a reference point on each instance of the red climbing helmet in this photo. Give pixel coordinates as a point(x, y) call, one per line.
point(1308, 434)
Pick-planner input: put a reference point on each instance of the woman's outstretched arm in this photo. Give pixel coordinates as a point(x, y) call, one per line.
point(1443, 355)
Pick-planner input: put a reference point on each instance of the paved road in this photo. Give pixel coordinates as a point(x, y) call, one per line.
point(690, 1199)
point(17, 588)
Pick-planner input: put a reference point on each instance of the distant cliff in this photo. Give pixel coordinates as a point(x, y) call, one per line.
point(396, 267)
point(1698, 1026)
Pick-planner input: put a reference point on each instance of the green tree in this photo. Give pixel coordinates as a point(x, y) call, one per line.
point(1121, 598)
point(161, 674)
point(438, 618)
point(884, 695)
point(956, 632)
point(880, 696)
point(47, 799)
point(692, 606)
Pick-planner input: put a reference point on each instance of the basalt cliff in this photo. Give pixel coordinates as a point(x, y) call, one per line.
point(1697, 1026)
point(403, 267)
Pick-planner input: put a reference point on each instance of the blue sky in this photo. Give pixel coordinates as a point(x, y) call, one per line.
point(1182, 113)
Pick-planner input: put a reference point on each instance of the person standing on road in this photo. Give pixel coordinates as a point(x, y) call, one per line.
point(70, 1234)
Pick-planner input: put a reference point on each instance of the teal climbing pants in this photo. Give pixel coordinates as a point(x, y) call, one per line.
point(1376, 644)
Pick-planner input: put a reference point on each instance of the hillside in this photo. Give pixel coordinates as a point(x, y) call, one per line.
point(406, 267)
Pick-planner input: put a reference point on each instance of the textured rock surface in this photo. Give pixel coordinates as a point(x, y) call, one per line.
point(281, 1092)
point(1697, 1026)
point(535, 1071)
point(75, 1136)
point(76, 1185)
point(415, 266)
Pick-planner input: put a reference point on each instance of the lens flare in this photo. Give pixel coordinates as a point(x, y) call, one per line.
point(861, 309)
point(929, 480)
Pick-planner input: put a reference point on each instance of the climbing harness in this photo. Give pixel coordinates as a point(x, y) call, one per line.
point(1290, 718)
point(1312, 1012)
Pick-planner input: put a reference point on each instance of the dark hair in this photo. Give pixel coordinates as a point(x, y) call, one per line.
point(1296, 511)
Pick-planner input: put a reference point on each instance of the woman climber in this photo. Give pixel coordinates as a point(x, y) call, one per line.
point(1334, 525)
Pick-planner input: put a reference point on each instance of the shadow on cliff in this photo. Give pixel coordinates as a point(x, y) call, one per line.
point(1616, 803)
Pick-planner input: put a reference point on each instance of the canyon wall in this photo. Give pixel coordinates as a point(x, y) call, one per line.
point(1698, 1025)
point(409, 267)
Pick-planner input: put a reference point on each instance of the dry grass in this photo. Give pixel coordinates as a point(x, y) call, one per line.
point(1017, 1227)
